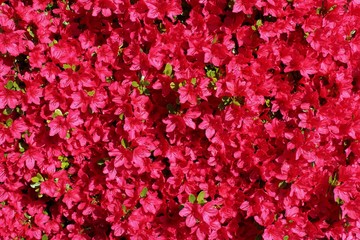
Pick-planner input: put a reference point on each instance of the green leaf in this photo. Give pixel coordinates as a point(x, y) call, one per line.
point(66, 66)
point(7, 111)
point(101, 162)
point(267, 102)
point(35, 179)
point(286, 237)
point(39, 176)
point(31, 33)
point(135, 84)
point(192, 198)
point(91, 93)
point(64, 165)
point(9, 122)
point(44, 237)
point(124, 143)
point(53, 43)
point(282, 184)
point(144, 192)
point(200, 198)
point(124, 209)
point(56, 113)
point(259, 23)
point(168, 70)
point(27, 215)
point(9, 85)
point(332, 8)
point(172, 85)
point(193, 81)
point(35, 185)
point(121, 116)
point(21, 148)
point(215, 39)
point(235, 102)
point(339, 201)
point(333, 180)
point(16, 86)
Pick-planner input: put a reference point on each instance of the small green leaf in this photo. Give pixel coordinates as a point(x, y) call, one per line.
point(121, 116)
point(235, 102)
point(253, 27)
point(282, 184)
point(318, 10)
point(145, 83)
point(259, 23)
point(333, 180)
point(27, 216)
point(339, 201)
point(101, 162)
point(124, 143)
point(286, 237)
point(200, 198)
point(35, 185)
point(124, 209)
point(40, 177)
point(135, 84)
point(168, 69)
point(143, 192)
point(16, 86)
point(35, 179)
point(193, 81)
point(192, 198)
point(31, 33)
point(66, 66)
point(9, 122)
point(332, 8)
point(9, 85)
point(7, 111)
point(53, 43)
point(44, 237)
point(21, 148)
point(172, 85)
point(64, 165)
point(91, 93)
point(215, 39)
point(267, 102)
point(56, 113)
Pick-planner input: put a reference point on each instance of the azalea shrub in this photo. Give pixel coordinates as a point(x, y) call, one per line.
point(179, 119)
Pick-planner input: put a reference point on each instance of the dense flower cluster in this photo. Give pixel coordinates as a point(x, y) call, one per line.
point(179, 119)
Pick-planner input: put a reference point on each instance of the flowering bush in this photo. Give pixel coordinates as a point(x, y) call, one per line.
point(179, 119)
